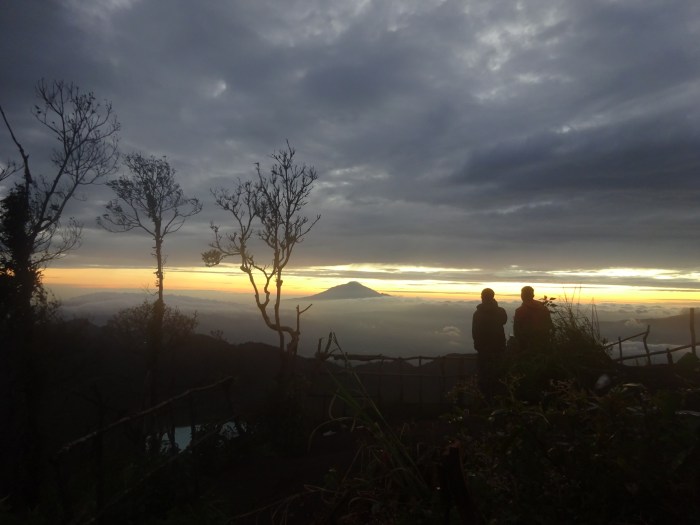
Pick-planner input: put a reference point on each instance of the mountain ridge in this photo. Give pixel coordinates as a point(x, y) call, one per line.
point(350, 290)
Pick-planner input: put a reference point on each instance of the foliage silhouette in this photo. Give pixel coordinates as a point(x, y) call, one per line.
point(150, 199)
point(33, 232)
point(270, 209)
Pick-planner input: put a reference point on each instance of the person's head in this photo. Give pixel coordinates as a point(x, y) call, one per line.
point(527, 292)
point(487, 294)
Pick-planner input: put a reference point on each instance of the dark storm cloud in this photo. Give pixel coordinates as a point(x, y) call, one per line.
point(483, 134)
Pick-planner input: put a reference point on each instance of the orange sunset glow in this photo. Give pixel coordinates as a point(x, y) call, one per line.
point(302, 282)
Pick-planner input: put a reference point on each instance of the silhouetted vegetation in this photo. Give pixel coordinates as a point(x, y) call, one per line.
point(555, 445)
point(567, 436)
point(269, 209)
point(33, 232)
point(628, 455)
point(151, 200)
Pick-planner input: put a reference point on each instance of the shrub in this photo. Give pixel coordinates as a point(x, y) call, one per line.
point(576, 457)
point(553, 449)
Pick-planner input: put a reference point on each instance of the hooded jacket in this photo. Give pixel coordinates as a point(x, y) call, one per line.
point(532, 324)
point(487, 327)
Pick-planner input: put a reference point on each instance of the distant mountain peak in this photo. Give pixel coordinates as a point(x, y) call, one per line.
point(351, 290)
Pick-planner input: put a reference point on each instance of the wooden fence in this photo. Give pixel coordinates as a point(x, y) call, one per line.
point(128, 438)
point(647, 355)
point(85, 469)
point(409, 382)
point(419, 382)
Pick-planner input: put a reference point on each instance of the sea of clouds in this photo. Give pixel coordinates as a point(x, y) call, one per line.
point(392, 326)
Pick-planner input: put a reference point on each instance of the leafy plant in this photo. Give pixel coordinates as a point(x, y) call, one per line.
point(551, 448)
point(389, 480)
point(577, 457)
point(576, 352)
point(130, 326)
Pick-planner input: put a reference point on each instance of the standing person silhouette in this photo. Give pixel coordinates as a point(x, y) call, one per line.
point(489, 340)
point(532, 322)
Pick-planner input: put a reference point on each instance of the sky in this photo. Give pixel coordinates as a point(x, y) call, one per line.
point(458, 144)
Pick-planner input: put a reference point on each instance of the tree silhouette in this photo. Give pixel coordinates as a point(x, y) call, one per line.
point(130, 326)
point(270, 209)
point(33, 232)
point(150, 199)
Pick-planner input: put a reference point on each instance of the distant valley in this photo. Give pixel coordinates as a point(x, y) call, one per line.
point(366, 321)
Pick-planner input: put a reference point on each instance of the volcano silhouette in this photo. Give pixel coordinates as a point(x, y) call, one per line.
point(351, 290)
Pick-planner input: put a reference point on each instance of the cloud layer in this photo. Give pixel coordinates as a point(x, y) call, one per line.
point(549, 135)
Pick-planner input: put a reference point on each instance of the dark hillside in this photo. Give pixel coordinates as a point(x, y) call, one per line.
point(85, 365)
point(277, 457)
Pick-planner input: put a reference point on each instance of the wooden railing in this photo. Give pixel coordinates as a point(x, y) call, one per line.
point(395, 381)
point(668, 352)
point(151, 426)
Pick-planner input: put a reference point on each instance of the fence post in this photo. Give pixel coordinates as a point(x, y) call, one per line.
point(61, 487)
point(193, 432)
point(99, 458)
point(171, 430)
point(692, 331)
point(420, 381)
point(401, 380)
point(646, 347)
point(619, 345)
point(669, 357)
point(379, 383)
point(454, 482)
point(442, 373)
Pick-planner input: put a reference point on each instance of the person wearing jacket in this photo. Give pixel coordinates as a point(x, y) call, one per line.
point(532, 322)
point(489, 340)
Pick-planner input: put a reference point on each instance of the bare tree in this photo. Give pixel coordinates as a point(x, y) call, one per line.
point(33, 232)
point(8, 169)
point(151, 200)
point(269, 208)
